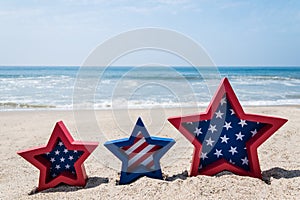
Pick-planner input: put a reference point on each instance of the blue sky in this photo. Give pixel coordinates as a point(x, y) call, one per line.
point(64, 32)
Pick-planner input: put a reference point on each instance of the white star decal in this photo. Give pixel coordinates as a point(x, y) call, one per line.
point(227, 125)
point(67, 166)
point(231, 162)
point(75, 151)
point(66, 151)
point(254, 132)
point(233, 150)
point(57, 152)
point(218, 153)
point(209, 142)
point(198, 131)
point(243, 123)
point(212, 128)
point(245, 161)
point(57, 166)
point(232, 111)
point(224, 139)
point(60, 144)
point(203, 155)
point(71, 158)
point(219, 114)
point(223, 100)
point(62, 159)
point(239, 136)
point(52, 159)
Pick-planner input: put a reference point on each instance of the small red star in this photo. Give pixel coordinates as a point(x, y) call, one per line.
point(60, 137)
point(223, 133)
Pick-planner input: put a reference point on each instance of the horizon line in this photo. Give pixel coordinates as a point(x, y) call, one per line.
point(149, 66)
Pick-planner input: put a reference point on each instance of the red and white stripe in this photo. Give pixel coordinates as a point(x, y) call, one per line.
point(140, 153)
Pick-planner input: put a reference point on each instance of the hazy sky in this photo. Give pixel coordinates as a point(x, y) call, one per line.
point(64, 32)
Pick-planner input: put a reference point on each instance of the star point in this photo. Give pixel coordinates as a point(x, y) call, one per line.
point(198, 131)
point(243, 123)
point(218, 153)
point(209, 142)
point(245, 161)
point(223, 101)
point(212, 128)
point(57, 152)
point(239, 136)
point(203, 155)
point(224, 139)
point(219, 114)
point(254, 132)
point(233, 150)
point(227, 125)
point(232, 112)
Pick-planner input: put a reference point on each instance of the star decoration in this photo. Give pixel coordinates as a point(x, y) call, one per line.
point(140, 154)
point(61, 160)
point(228, 142)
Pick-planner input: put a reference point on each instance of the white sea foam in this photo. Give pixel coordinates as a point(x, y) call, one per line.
point(52, 88)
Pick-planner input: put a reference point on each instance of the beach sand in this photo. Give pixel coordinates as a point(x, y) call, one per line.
point(279, 159)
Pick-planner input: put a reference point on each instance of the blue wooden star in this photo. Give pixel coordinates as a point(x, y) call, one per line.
point(140, 153)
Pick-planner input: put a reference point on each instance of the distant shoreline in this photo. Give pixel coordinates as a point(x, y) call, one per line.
point(222, 66)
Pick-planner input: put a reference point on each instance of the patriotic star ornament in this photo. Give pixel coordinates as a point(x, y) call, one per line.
point(140, 154)
point(225, 137)
point(61, 160)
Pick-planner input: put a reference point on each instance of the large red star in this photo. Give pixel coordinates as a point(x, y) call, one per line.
point(225, 137)
point(71, 167)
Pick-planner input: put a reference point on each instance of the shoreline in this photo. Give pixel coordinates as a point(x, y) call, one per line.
point(145, 108)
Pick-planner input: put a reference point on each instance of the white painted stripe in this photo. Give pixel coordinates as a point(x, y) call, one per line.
point(140, 154)
point(147, 161)
point(135, 146)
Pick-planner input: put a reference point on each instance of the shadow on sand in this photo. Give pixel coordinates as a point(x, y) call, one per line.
point(279, 173)
point(91, 183)
point(183, 176)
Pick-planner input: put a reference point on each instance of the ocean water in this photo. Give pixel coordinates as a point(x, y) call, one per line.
point(24, 88)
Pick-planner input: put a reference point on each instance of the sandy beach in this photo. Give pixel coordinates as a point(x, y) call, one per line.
point(278, 157)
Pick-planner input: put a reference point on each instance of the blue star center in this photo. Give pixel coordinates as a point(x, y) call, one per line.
point(224, 136)
point(61, 160)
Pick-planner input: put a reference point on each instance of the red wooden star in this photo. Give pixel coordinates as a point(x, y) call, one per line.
point(72, 171)
point(211, 155)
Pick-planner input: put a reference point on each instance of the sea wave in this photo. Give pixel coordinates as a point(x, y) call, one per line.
point(13, 105)
point(9, 106)
point(38, 88)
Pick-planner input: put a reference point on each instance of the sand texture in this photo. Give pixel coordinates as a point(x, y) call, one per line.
point(279, 160)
